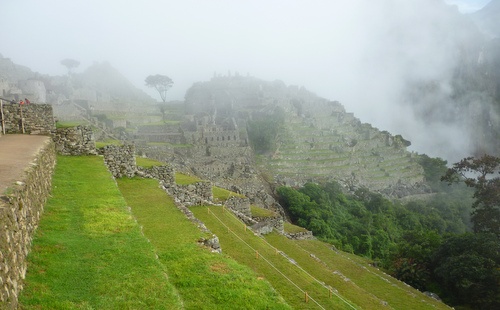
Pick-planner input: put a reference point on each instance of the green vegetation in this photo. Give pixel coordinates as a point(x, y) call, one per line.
point(293, 229)
point(204, 280)
point(425, 243)
point(261, 212)
point(262, 132)
point(366, 223)
point(313, 276)
point(479, 279)
point(221, 194)
point(147, 162)
point(88, 253)
point(184, 179)
point(167, 144)
point(101, 144)
point(68, 124)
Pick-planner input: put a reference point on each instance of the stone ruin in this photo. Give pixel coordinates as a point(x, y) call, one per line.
point(77, 140)
point(35, 119)
point(120, 160)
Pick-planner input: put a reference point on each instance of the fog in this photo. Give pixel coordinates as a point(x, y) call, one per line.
point(358, 52)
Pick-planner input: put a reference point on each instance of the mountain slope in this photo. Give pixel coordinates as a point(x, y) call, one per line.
point(488, 18)
point(302, 137)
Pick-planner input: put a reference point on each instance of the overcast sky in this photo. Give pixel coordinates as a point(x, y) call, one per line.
point(325, 46)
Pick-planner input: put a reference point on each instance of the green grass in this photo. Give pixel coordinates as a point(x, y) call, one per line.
point(88, 252)
point(397, 294)
point(242, 246)
point(101, 144)
point(204, 280)
point(221, 194)
point(363, 286)
point(293, 229)
point(68, 124)
point(261, 212)
point(185, 179)
point(147, 162)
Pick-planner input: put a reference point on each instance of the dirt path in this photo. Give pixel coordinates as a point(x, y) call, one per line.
point(16, 153)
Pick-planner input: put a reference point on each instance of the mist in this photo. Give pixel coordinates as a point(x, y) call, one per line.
point(362, 53)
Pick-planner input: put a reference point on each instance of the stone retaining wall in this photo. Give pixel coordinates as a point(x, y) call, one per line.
point(165, 174)
point(272, 222)
point(306, 235)
point(198, 193)
point(77, 140)
point(20, 209)
point(120, 160)
point(35, 118)
point(239, 204)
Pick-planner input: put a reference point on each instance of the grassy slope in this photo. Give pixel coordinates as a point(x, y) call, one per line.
point(88, 253)
point(242, 245)
point(326, 264)
point(363, 286)
point(205, 280)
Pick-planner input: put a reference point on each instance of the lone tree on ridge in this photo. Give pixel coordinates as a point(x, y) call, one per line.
point(161, 83)
point(70, 64)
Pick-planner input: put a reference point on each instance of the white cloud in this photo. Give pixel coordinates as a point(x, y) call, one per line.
point(356, 51)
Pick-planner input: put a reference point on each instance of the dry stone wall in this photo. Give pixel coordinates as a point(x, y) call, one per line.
point(272, 222)
point(240, 204)
point(77, 140)
point(305, 235)
point(120, 160)
point(31, 119)
point(192, 194)
point(20, 209)
point(164, 174)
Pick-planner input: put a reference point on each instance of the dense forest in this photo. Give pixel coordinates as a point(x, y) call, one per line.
point(438, 244)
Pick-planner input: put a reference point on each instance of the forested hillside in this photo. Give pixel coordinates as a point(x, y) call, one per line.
point(431, 244)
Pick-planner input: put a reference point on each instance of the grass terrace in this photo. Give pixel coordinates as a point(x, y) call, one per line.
point(101, 144)
point(261, 212)
point(88, 252)
point(203, 279)
point(147, 162)
point(185, 179)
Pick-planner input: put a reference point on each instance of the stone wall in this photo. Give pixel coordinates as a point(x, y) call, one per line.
point(75, 141)
point(20, 209)
point(273, 222)
point(198, 193)
point(239, 204)
point(305, 235)
point(35, 118)
point(164, 174)
point(120, 160)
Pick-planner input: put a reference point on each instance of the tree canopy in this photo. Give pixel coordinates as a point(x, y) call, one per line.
point(161, 83)
point(481, 174)
point(70, 64)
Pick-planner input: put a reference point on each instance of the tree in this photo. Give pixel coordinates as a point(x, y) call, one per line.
point(70, 64)
point(467, 266)
point(161, 83)
point(478, 173)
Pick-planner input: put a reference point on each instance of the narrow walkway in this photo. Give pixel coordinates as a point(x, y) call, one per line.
point(16, 153)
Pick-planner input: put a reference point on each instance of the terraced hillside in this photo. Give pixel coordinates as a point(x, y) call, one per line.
point(92, 252)
point(329, 144)
point(316, 138)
